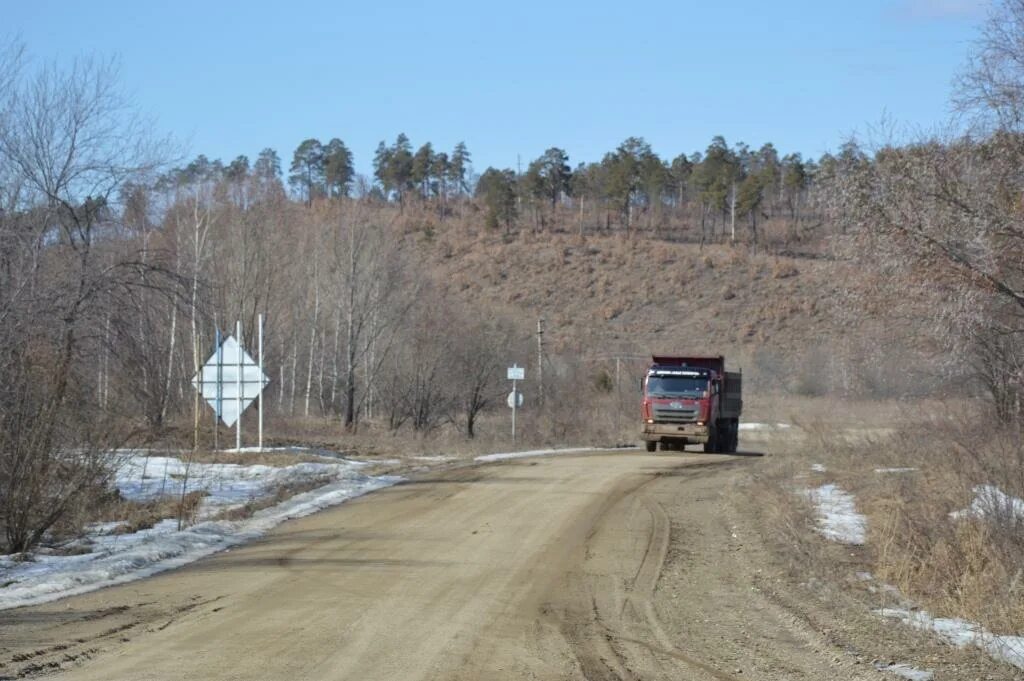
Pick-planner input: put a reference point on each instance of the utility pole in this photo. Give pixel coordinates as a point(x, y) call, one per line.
point(540, 361)
point(618, 396)
point(519, 173)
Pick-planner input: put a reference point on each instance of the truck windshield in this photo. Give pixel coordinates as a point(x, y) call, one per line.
point(676, 386)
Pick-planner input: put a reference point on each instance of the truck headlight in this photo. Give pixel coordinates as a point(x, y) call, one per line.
point(700, 423)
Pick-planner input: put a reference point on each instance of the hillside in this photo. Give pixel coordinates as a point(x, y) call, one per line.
point(608, 295)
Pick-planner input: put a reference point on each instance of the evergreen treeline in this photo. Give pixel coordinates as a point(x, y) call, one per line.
point(718, 191)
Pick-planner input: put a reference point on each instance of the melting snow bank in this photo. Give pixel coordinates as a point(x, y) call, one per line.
point(838, 518)
point(123, 558)
point(992, 502)
point(224, 484)
point(487, 458)
point(962, 633)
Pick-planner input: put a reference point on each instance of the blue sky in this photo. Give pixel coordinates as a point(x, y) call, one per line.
point(229, 78)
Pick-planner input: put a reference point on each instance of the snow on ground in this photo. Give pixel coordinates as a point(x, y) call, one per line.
point(765, 426)
point(899, 469)
point(875, 586)
point(818, 468)
point(119, 558)
point(990, 501)
point(148, 477)
point(962, 633)
point(838, 518)
point(501, 456)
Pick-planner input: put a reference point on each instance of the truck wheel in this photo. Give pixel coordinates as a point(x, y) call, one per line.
point(711, 446)
point(650, 445)
point(734, 437)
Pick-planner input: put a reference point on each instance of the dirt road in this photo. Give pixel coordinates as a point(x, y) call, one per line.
point(606, 566)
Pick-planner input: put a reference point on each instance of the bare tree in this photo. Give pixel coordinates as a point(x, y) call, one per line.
point(942, 218)
point(372, 294)
point(477, 351)
point(991, 88)
point(72, 141)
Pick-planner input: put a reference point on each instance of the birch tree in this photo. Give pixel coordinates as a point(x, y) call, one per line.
point(372, 293)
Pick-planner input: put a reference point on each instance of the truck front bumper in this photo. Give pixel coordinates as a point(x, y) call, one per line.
point(690, 432)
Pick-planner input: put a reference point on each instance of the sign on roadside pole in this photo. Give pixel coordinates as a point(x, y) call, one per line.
point(515, 398)
point(231, 381)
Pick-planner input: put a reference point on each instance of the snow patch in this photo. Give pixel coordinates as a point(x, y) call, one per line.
point(765, 426)
point(961, 633)
point(838, 518)
point(818, 468)
point(898, 469)
point(501, 456)
point(120, 558)
point(225, 485)
point(990, 501)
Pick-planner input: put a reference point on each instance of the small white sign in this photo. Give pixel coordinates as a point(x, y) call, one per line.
point(515, 399)
point(516, 373)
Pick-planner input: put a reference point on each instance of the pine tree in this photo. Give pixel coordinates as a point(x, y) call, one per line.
point(422, 169)
point(338, 169)
point(459, 168)
point(307, 170)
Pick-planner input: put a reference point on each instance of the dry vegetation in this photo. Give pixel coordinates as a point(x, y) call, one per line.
point(907, 478)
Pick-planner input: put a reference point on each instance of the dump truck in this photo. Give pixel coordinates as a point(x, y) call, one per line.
point(691, 400)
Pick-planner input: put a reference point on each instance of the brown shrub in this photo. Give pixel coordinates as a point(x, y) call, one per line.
point(784, 270)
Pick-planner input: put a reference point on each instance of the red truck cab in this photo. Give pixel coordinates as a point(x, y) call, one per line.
point(691, 400)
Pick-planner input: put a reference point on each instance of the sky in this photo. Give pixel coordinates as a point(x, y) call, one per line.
point(512, 79)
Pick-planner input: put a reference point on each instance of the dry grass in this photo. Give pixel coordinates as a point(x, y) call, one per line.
point(142, 515)
point(279, 494)
point(611, 290)
point(967, 567)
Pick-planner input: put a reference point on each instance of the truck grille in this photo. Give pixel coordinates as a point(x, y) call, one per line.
point(663, 413)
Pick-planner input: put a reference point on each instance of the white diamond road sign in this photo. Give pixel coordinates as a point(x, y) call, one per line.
point(218, 381)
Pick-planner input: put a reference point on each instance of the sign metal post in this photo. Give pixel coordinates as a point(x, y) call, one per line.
point(515, 398)
point(260, 351)
point(238, 390)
